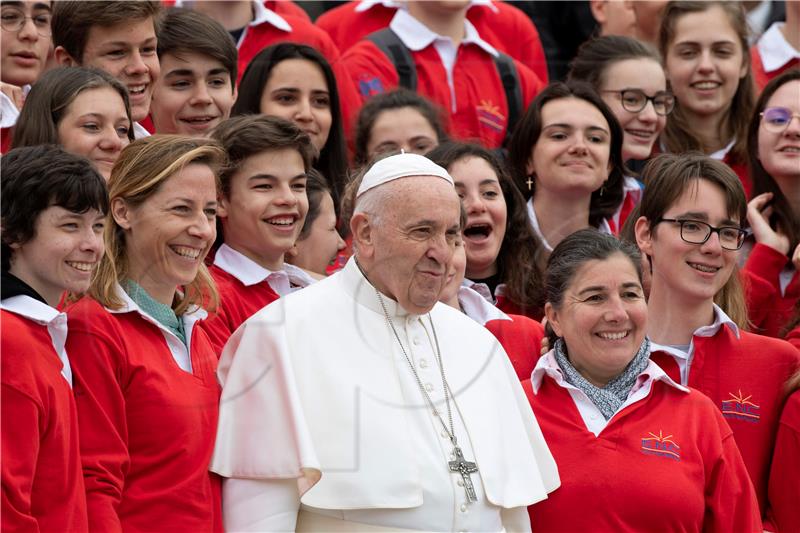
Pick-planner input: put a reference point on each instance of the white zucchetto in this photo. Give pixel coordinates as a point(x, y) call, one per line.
point(400, 166)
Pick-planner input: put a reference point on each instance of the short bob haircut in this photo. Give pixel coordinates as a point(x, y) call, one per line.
point(72, 20)
point(396, 99)
point(35, 178)
point(667, 177)
point(185, 30)
point(782, 215)
point(572, 253)
point(607, 198)
point(50, 98)
point(678, 136)
point(332, 162)
point(595, 56)
point(248, 135)
point(141, 169)
point(521, 255)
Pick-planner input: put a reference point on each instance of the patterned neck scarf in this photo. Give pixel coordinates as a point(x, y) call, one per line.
point(611, 397)
point(162, 313)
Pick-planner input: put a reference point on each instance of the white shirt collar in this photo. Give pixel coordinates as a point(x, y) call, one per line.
point(534, 220)
point(43, 314)
point(720, 154)
point(261, 14)
point(477, 308)
point(250, 273)
point(365, 5)
point(774, 49)
point(481, 288)
point(547, 365)
point(416, 36)
point(8, 111)
point(139, 131)
point(720, 319)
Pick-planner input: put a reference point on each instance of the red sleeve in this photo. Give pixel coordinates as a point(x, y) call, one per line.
point(20, 446)
point(731, 503)
point(527, 47)
point(99, 397)
point(369, 72)
point(530, 85)
point(766, 263)
point(794, 337)
point(760, 297)
point(287, 8)
point(784, 486)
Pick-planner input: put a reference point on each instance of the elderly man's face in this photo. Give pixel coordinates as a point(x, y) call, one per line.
point(414, 242)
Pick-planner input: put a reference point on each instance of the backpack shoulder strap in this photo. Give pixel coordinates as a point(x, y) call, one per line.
point(510, 78)
point(393, 48)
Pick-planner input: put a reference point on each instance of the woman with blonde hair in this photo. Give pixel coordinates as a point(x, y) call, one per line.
point(145, 385)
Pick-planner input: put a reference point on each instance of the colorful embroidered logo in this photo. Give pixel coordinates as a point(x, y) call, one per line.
point(489, 115)
point(370, 87)
point(741, 408)
point(661, 445)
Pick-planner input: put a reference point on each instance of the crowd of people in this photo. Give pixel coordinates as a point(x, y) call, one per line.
point(393, 269)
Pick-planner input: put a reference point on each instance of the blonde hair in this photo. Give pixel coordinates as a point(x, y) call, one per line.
point(731, 299)
point(142, 167)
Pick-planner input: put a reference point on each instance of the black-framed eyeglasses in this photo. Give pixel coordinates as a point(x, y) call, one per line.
point(698, 232)
point(13, 20)
point(634, 100)
point(777, 119)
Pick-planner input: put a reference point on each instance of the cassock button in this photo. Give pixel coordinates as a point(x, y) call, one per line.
point(445, 435)
point(428, 387)
point(416, 341)
point(463, 507)
point(460, 482)
point(423, 363)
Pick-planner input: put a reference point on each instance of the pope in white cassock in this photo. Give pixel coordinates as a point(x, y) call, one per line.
point(362, 404)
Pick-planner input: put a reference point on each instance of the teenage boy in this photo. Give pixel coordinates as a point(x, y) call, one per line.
point(117, 36)
point(24, 45)
point(262, 207)
point(197, 86)
point(52, 237)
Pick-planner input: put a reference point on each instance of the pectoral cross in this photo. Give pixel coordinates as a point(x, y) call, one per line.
point(465, 468)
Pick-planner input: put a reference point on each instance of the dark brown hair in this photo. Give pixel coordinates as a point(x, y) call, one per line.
point(606, 199)
point(316, 188)
point(188, 31)
point(596, 55)
point(72, 20)
point(678, 135)
point(521, 255)
point(397, 99)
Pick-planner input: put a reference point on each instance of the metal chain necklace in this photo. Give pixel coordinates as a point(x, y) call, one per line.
point(459, 465)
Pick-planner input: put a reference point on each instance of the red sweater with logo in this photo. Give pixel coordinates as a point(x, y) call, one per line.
point(237, 303)
point(745, 380)
point(147, 426)
point(508, 29)
point(481, 111)
point(43, 486)
point(784, 479)
point(665, 463)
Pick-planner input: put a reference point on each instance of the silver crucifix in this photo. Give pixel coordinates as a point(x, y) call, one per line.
point(465, 468)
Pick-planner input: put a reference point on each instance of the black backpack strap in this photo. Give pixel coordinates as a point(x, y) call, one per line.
point(510, 78)
point(393, 48)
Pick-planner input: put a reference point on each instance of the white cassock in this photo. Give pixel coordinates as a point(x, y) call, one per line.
point(321, 414)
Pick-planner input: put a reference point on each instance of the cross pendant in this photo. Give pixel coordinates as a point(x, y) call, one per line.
point(465, 468)
point(529, 182)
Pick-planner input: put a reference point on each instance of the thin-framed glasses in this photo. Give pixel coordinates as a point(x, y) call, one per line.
point(634, 100)
point(777, 119)
point(698, 232)
point(13, 20)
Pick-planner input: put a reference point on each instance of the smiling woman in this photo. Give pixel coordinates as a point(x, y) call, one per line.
point(145, 387)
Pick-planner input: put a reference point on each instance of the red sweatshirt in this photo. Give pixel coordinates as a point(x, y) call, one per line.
point(147, 425)
point(745, 379)
point(767, 264)
point(667, 462)
point(794, 337)
point(784, 479)
point(503, 25)
point(41, 474)
point(772, 55)
point(480, 110)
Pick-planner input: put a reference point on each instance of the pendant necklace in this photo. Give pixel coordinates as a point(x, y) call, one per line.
point(459, 465)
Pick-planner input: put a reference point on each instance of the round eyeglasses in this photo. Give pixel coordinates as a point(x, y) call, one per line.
point(634, 100)
point(777, 119)
point(13, 20)
point(697, 232)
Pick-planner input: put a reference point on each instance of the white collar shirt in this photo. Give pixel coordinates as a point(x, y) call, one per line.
point(591, 415)
point(9, 113)
point(416, 36)
point(475, 305)
point(684, 359)
point(534, 220)
point(44, 315)
point(774, 49)
point(238, 265)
